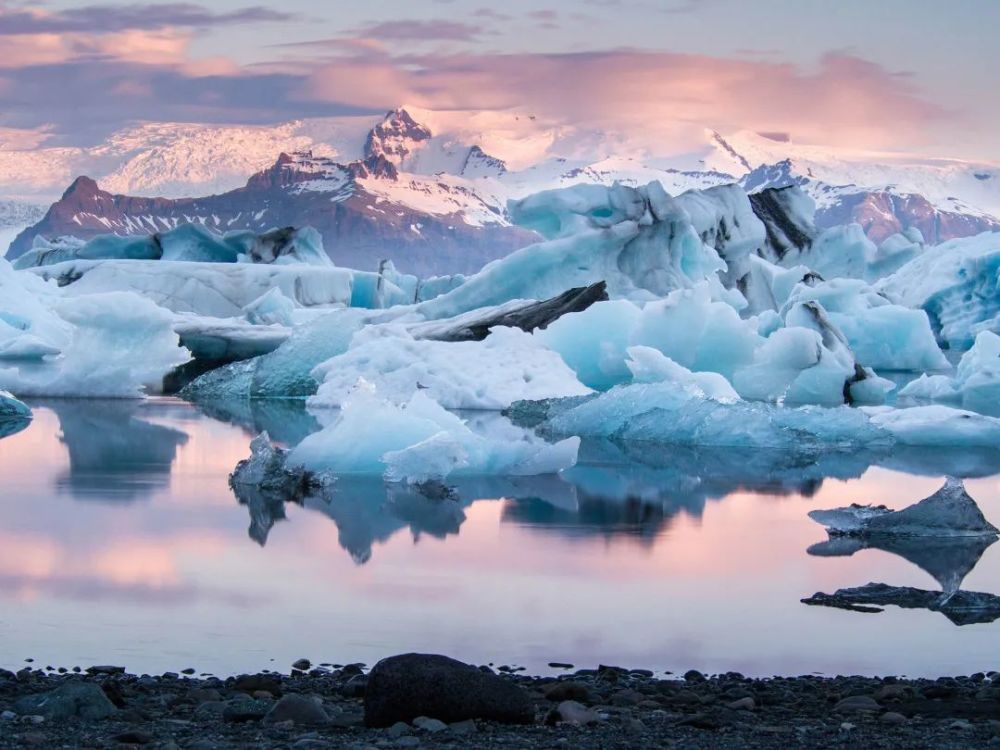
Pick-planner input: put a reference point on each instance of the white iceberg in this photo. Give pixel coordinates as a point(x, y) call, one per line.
point(957, 283)
point(187, 242)
point(976, 383)
point(420, 441)
point(29, 329)
point(507, 366)
point(121, 345)
point(880, 334)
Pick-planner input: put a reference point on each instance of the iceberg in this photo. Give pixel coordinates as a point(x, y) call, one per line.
point(29, 329)
point(419, 441)
point(957, 283)
point(976, 383)
point(640, 241)
point(809, 361)
point(187, 242)
point(961, 607)
point(880, 334)
point(949, 512)
point(668, 413)
point(14, 415)
point(120, 345)
point(506, 366)
point(212, 289)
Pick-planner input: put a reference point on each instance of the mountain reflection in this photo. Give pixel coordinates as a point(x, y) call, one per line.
point(114, 454)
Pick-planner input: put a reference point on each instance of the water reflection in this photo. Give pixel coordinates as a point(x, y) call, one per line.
point(947, 559)
point(523, 570)
point(12, 426)
point(113, 453)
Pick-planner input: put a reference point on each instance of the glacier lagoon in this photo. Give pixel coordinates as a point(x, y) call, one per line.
point(122, 542)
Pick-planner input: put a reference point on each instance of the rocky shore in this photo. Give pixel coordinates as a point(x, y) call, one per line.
point(314, 707)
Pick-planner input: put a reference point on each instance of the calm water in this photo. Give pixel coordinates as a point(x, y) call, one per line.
point(121, 542)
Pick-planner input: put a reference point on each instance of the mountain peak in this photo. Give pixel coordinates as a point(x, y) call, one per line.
point(396, 137)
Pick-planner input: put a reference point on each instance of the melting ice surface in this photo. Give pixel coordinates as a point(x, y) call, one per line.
point(118, 518)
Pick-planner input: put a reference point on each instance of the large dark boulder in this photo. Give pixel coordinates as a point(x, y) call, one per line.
point(83, 700)
point(401, 688)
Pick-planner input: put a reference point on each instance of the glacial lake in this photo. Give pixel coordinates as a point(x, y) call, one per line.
point(121, 542)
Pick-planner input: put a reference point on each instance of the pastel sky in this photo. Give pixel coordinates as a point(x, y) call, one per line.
point(913, 75)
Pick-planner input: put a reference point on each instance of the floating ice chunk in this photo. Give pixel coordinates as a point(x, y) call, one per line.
point(187, 242)
point(957, 283)
point(593, 342)
point(880, 334)
point(666, 413)
point(788, 215)
point(977, 378)
point(649, 365)
point(14, 415)
point(271, 307)
point(121, 343)
point(895, 252)
point(724, 219)
point(937, 426)
point(976, 384)
point(215, 289)
point(638, 240)
point(12, 409)
point(419, 441)
point(767, 286)
point(841, 251)
point(29, 329)
point(697, 332)
point(507, 366)
point(930, 388)
point(948, 512)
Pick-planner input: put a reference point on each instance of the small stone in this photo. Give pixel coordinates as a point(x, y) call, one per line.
point(743, 704)
point(407, 742)
point(299, 709)
point(634, 726)
point(846, 726)
point(891, 692)
point(302, 665)
point(571, 712)
point(355, 687)
point(188, 671)
point(105, 669)
point(961, 725)
point(8, 716)
point(568, 690)
point(462, 728)
point(133, 737)
point(397, 730)
point(693, 675)
point(560, 665)
point(240, 710)
point(892, 717)
point(857, 703)
point(433, 726)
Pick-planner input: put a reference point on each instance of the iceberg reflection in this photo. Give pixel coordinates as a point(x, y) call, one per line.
point(113, 453)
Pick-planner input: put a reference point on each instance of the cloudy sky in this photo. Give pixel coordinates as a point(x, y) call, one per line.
point(913, 75)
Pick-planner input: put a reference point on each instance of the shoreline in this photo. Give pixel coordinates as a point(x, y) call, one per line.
point(315, 707)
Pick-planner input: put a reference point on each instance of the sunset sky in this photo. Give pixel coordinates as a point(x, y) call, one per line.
point(891, 74)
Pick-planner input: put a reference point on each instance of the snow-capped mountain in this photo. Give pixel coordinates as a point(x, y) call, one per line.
point(439, 182)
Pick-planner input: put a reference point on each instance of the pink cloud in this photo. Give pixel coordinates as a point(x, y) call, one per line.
point(845, 101)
